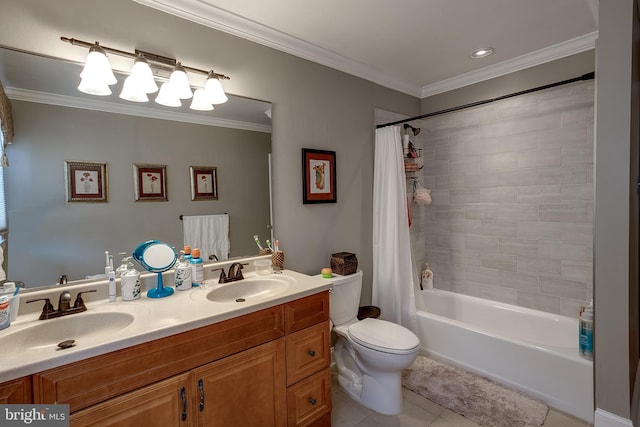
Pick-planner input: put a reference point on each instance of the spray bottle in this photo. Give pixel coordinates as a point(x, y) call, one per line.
point(585, 322)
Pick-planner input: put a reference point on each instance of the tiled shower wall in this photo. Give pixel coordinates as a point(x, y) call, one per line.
point(512, 188)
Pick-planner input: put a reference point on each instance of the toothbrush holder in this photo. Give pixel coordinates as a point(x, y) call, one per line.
point(277, 260)
point(264, 251)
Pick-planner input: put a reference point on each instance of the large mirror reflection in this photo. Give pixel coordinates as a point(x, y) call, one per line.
point(55, 124)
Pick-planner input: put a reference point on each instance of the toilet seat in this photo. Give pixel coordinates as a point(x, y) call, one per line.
point(383, 336)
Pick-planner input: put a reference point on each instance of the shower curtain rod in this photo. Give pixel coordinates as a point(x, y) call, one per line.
point(588, 76)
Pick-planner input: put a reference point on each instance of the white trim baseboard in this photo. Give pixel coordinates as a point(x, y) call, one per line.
point(603, 418)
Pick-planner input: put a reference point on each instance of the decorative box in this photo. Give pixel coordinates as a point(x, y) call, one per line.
point(344, 263)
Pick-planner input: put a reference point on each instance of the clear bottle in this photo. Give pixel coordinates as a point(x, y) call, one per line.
point(585, 322)
point(130, 286)
point(123, 264)
point(197, 271)
point(182, 271)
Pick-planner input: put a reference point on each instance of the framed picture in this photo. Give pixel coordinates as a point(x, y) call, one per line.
point(150, 182)
point(86, 181)
point(204, 183)
point(318, 176)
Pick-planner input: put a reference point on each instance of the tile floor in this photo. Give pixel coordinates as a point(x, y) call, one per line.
point(418, 411)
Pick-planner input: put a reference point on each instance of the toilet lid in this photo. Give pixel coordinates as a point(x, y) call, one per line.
point(383, 336)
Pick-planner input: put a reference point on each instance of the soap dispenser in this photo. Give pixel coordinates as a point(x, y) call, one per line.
point(183, 273)
point(130, 282)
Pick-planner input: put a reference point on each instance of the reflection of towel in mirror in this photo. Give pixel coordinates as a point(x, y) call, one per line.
point(210, 233)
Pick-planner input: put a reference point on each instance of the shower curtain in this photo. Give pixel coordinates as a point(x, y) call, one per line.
point(393, 278)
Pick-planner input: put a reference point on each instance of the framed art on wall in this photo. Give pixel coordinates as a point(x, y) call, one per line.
point(86, 181)
point(150, 182)
point(204, 183)
point(318, 176)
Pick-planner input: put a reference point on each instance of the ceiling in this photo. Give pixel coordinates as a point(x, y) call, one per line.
point(420, 47)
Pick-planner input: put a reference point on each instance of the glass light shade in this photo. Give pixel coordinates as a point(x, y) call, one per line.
point(200, 101)
point(132, 91)
point(94, 87)
point(97, 67)
point(180, 83)
point(214, 90)
point(167, 97)
point(142, 74)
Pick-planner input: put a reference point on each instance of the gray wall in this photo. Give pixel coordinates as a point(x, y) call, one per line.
point(616, 322)
point(49, 237)
point(313, 107)
point(512, 190)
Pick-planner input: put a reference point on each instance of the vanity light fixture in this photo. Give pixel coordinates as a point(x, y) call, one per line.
point(97, 76)
point(482, 53)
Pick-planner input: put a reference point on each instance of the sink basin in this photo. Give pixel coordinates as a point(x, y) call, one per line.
point(83, 328)
point(248, 290)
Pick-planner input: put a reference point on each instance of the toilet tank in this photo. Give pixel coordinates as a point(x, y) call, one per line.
point(345, 298)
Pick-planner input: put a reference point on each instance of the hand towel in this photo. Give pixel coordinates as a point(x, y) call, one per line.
point(209, 233)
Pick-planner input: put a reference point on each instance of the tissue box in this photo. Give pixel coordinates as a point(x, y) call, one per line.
point(344, 263)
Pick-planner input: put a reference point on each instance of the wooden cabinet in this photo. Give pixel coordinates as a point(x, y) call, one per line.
point(166, 403)
point(308, 359)
point(16, 391)
point(267, 368)
point(246, 389)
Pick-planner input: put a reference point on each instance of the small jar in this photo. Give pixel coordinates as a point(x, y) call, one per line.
point(5, 313)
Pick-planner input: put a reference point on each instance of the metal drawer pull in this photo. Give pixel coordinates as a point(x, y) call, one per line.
point(312, 353)
point(201, 387)
point(183, 395)
point(312, 401)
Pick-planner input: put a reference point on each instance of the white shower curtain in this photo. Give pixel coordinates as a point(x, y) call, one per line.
point(393, 278)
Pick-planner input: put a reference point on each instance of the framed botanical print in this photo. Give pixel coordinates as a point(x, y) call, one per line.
point(86, 181)
point(204, 183)
point(150, 182)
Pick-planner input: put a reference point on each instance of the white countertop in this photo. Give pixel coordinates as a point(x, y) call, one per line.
point(152, 319)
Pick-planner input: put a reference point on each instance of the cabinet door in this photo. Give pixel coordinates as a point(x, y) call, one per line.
point(167, 403)
point(246, 389)
point(16, 391)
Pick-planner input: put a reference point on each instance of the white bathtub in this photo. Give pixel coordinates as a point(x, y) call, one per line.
point(531, 350)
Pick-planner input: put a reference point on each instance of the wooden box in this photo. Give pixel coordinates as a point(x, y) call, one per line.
point(344, 263)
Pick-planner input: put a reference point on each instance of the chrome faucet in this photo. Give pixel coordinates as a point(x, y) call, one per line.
point(64, 305)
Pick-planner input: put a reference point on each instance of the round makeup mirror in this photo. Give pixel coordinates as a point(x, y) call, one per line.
point(156, 257)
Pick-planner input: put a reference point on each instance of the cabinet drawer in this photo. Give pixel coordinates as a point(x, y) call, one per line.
point(308, 351)
point(310, 399)
point(306, 312)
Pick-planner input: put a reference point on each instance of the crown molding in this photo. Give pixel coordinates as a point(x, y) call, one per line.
point(204, 13)
point(541, 56)
point(131, 110)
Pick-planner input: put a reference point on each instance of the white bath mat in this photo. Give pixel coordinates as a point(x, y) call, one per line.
point(481, 400)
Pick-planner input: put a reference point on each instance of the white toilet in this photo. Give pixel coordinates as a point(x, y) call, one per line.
point(370, 354)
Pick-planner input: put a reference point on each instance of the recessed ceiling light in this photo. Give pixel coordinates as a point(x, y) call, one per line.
point(482, 53)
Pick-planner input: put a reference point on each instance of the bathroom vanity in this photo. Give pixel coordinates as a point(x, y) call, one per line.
point(264, 363)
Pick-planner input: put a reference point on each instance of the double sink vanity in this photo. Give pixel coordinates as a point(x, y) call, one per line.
point(251, 352)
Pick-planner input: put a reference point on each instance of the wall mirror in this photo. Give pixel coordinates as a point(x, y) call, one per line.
point(54, 123)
